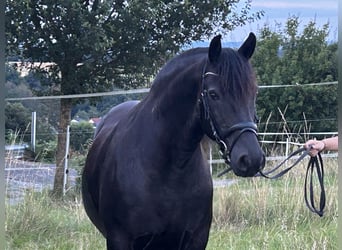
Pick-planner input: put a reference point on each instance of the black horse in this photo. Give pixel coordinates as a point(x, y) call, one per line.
point(146, 183)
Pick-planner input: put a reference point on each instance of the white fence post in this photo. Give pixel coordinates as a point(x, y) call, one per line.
point(33, 131)
point(66, 157)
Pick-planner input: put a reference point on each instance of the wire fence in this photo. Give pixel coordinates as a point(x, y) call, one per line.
point(52, 102)
point(23, 175)
point(145, 90)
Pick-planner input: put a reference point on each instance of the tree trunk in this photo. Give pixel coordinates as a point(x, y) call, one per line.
point(64, 121)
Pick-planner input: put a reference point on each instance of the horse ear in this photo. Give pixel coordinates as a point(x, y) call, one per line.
point(215, 49)
point(248, 47)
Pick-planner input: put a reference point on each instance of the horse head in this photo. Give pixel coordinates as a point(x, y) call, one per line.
point(228, 96)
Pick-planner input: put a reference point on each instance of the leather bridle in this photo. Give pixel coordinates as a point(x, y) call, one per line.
point(242, 127)
point(219, 137)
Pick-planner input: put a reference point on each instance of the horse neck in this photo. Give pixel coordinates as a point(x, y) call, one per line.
point(177, 107)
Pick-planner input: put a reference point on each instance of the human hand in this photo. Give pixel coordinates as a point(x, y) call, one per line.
point(315, 146)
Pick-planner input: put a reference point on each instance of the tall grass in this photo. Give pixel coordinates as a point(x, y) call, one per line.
point(42, 223)
point(253, 213)
point(271, 214)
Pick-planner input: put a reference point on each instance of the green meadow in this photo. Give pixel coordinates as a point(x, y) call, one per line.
point(252, 213)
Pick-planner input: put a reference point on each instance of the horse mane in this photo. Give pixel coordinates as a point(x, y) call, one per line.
point(180, 61)
point(236, 73)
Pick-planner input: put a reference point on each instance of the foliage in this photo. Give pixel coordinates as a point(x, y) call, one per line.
point(298, 109)
point(17, 119)
point(46, 151)
point(94, 44)
point(80, 135)
point(291, 57)
point(18, 113)
point(89, 46)
point(12, 76)
point(87, 110)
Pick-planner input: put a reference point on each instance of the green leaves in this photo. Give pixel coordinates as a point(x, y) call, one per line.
point(80, 134)
point(98, 44)
point(95, 46)
point(291, 57)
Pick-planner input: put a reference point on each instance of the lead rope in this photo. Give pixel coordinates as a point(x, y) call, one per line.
point(315, 163)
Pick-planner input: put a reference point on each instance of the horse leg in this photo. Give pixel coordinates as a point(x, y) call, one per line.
point(199, 239)
point(118, 240)
point(197, 242)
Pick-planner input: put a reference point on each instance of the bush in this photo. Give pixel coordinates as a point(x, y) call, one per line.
point(46, 151)
point(81, 134)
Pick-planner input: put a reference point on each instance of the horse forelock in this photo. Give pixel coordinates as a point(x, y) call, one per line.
point(237, 75)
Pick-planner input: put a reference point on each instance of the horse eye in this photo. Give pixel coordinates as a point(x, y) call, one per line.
point(213, 95)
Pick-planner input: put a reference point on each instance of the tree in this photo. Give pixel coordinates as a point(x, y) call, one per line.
point(18, 113)
point(290, 57)
point(267, 60)
point(98, 45)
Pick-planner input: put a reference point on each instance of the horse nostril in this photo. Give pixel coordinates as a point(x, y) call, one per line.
point(244, 162)
point(248, 164)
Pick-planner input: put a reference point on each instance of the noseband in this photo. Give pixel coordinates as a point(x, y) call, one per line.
point(242, 127)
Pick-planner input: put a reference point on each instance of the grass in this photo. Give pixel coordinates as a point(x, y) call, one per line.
point(42, 223)
point(266, 214)
point(253, 213)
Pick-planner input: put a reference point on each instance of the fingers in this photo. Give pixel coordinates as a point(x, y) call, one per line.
point(314, 146)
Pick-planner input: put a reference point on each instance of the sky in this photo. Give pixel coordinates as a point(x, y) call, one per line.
point(322, 11)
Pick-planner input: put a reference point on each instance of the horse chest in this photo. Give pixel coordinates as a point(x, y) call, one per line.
point(165, 201)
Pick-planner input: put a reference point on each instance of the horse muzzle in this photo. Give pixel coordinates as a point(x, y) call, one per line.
point(248, 166)
point(243, 155)
point(247, 158)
